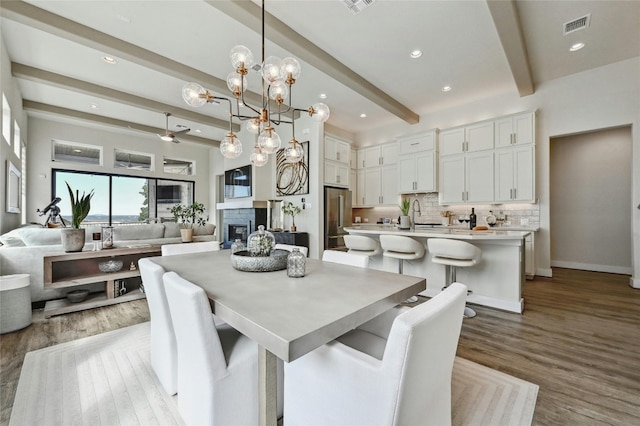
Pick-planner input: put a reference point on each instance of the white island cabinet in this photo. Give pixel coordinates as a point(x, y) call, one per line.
point(496, 281)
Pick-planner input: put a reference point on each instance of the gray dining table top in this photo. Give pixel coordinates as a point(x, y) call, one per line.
point(292, 316)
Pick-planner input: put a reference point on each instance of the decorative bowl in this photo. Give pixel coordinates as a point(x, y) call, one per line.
point(243, 261)
point(110, 266)
point(76, 296)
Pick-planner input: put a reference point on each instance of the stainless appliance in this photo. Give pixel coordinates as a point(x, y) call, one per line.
point(337, 215)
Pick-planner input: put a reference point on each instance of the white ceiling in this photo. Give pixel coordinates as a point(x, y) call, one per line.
point(473, 46)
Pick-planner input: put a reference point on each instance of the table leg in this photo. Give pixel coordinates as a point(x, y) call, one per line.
point(267, 387)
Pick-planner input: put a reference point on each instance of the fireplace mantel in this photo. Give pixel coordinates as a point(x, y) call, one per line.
point(242, 204)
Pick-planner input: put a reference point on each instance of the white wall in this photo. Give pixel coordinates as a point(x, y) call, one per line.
point(9, 87)
point(590, 177)
point(42, 131)
point(598, 99)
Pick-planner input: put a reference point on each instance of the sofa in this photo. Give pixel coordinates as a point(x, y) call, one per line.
point(22, 250)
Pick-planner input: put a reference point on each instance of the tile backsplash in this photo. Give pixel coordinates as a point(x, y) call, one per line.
point(516, 214)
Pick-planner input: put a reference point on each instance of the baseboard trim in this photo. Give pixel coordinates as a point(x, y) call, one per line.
point(543, 272)
point(634, 282)
point(593, 267)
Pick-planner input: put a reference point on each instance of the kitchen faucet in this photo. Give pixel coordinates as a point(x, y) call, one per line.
point(413, 212)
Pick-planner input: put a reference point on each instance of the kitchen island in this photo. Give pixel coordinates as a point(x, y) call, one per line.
point(496, 281)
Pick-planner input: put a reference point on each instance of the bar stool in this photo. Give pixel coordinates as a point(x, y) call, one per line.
point(359, 244)
point(454, 254)
point(402, 248)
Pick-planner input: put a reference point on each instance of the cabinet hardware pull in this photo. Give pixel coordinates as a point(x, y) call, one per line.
point(415, 143)
point(338, 156)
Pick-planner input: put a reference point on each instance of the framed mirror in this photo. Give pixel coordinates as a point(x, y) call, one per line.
point(13, 188)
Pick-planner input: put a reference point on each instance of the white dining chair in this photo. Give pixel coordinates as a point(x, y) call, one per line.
point(163, 349)
point(394, 370)
point(345, 258)
point(184, 248)
point(217, 365)
point(289, 247)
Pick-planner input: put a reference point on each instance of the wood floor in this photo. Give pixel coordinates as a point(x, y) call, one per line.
point(578, 339)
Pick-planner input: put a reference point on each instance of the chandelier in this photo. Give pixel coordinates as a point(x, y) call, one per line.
point(278, 78)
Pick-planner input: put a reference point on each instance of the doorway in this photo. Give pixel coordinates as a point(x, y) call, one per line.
point(590, 181)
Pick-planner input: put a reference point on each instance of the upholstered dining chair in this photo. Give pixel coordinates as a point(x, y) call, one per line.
point(217, 366)
point(163, 348)
point(289, 247)
point(394, 370)
point(184, 248)
point(345, 258)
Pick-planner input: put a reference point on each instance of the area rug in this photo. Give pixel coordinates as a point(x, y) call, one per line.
point(107, 380)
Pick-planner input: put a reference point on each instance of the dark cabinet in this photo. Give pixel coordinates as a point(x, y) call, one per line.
point(292, 238)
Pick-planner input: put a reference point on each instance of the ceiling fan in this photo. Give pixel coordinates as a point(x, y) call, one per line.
point(171, 136)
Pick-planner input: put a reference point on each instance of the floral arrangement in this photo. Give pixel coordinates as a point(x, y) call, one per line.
point(190, 215)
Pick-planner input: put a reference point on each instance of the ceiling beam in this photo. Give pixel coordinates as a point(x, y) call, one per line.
point(27, 72)
point(28, 105)
point(250, 14)
point(507, 22)
point(43, 20)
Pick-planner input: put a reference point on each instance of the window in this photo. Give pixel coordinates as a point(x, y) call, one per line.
point(6, 120)
point(120, 199)
point(72, 152)
point(17, 145)
point(133, 160)
point(178, 167)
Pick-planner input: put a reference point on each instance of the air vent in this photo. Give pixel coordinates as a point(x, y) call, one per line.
point(577, 24)
point(357, 6)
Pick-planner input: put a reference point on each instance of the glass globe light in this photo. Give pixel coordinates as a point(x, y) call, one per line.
point(253, 126)
point(269, 140)
point(278, 88)
point(230, 146)
point(320, 112)
point(271, 69)
point(191, 94)
point(237, 83)
point(258, 157)
point(241, 55)
point(293, 153)
point(291, 66)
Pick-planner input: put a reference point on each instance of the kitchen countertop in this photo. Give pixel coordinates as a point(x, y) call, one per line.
point(442, 232)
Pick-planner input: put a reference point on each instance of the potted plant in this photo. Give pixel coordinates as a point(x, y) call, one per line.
point(292, 210)
point(189, 216)
point(404, 217)
point(73, 238)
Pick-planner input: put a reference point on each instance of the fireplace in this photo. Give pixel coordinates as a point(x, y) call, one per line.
point(239, 223)
point(238, 232)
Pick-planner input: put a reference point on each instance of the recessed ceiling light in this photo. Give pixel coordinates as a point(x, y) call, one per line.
point(198, 131)
point(363, 115)
point(322, 96)
point(77, 150)
point(576, 47)
point(415, 54)
point(446, 88)
point(109, 60)
point(93, 106)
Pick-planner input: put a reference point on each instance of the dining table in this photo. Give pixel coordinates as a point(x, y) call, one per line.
point(289, 317)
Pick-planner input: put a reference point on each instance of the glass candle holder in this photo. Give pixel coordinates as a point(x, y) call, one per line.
point(96, 237)
point(295, 263)
point(237, 245)
point(261, 242)
point(107, 237)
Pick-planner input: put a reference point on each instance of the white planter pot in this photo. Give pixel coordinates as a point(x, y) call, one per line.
point(405, 222)
point(72, 239)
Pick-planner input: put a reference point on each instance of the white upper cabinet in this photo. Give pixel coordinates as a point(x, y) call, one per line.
point(336, 150)
point(514, 174)
point(353, 159)
point(336, 174)
point(379, 155)
point(515, 130)
point(471, 138)
point(417, 163)
point(467, 178)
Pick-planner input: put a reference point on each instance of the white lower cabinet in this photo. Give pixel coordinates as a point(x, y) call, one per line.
point(530, 256)
point(467, 178)
point(514, 174)
point(336, 174)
